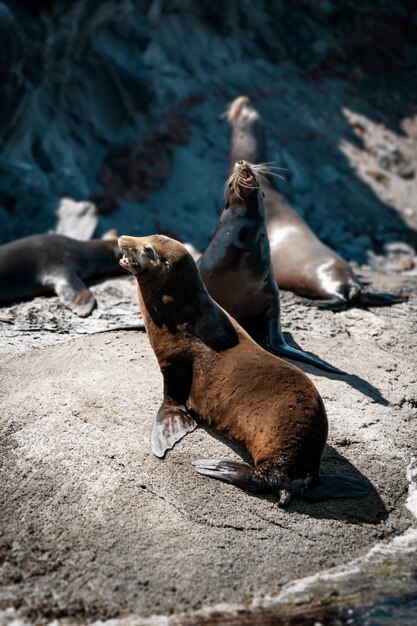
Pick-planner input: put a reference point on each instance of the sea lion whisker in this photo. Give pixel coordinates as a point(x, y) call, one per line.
point(236, 187)
point(244, 183)
point(270, 165)
point(276, 175)
point(265, 168)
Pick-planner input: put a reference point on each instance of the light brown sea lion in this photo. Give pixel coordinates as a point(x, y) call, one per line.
point(236, 266)
point(40, 264)
point(302, 263)
point(214, 372)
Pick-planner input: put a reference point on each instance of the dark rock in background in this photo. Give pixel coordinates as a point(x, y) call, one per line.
point(91, 108)
point(119, 103)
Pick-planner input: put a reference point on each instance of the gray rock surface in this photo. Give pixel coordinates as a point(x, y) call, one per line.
point(100, 101)
point(76, 219)
point(93, 526)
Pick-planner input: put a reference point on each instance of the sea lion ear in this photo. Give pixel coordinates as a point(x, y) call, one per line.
point(149, 250)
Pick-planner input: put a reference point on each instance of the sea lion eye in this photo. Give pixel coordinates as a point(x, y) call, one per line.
point(150, 252)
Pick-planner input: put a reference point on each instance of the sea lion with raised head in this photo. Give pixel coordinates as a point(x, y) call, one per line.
point(41, 264)
point(236, 266)
point(301, 262)
point(214, 372)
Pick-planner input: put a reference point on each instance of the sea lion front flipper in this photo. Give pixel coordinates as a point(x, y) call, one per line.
point(278, 346)
point(170, 425)
point(72, 292)
point(336, 486)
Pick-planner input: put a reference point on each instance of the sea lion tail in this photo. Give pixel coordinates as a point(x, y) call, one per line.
point(250, 478)
point(335, 486)
point(368, 298)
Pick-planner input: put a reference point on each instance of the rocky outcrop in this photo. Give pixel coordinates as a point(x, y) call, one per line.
point(90, 90)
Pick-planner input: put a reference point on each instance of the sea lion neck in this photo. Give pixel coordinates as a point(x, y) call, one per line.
point(174, 295)
point(252, 205)
point(181, 305)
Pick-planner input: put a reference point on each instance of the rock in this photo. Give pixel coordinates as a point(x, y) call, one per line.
point(76, 219)
point(159, 538)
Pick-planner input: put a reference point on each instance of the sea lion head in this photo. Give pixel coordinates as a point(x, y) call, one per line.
point(242, 183)
point(172, 290)
point(162, 266)
point(154, 254)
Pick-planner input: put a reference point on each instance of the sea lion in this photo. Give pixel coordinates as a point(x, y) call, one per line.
point(302, 263)
point(39, 264)
point(214, 372)
point(236, 266)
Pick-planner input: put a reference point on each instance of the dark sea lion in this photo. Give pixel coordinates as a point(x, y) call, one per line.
point(214, 372)
point(302, 263)
point(54, 263)
point(236, 266)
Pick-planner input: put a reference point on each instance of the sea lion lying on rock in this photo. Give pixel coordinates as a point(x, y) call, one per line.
point(301, 262)
point(42, 264)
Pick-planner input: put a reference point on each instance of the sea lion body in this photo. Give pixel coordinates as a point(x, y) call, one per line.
point(41, 264)
point(301, 262)
point(236, 266)
point(216, 373)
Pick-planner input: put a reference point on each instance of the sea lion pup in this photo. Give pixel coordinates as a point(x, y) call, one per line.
point(216, 373)
point(236, 266)
point(301, 262)
point(41, 264)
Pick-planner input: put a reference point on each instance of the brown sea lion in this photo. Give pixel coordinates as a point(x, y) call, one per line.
point(302, 263)
point(214, 372)
point(40, 264)
point(236, 266)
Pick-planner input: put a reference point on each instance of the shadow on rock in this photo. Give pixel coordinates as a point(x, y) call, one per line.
point(367, 510)
point(356, 382)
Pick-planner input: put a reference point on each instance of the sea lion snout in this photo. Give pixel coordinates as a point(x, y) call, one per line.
point(244, 169)
point(138, 254)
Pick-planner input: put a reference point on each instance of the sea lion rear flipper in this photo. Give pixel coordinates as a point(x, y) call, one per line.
point(336, 486)
point(170, 425)
point(244, 476)
point(332, 304)
point(369, 298)
point(72, 292)
point(237, 473)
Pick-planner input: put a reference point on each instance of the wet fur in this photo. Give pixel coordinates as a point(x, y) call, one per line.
point(215, 373)
point(236, 265)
